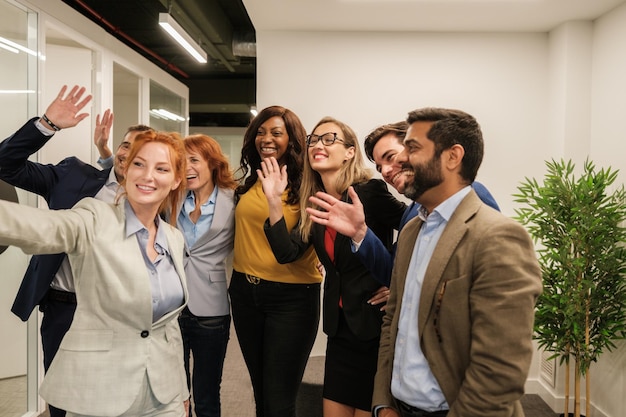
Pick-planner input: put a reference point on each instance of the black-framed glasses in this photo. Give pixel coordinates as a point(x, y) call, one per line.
point(327, 139)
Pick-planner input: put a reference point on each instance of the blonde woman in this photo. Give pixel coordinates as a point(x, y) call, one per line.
point(351, 321)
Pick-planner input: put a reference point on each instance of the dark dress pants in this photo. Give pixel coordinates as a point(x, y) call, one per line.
point(57, 318)
point(206, 339)
point(276, 325)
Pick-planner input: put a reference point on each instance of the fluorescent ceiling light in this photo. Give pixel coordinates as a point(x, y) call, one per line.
point(254, 111)
point(168, 23)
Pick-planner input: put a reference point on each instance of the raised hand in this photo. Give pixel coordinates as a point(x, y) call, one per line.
point(63, 111)
point(102, 133)
point(274, 181)
point(347, 219)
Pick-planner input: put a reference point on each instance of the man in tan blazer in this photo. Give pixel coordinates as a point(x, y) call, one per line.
point(456, 337)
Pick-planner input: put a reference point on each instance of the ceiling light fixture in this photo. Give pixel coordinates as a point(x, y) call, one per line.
point(176, 31)
point(253, 110)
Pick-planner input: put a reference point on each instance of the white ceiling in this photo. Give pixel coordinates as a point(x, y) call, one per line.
point(423, 15)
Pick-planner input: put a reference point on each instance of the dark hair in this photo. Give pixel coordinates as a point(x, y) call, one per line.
point(179, 165)
point(451, 127)
point(398, 129)
point(210, 150)
point(138, 128)
point(294, 156)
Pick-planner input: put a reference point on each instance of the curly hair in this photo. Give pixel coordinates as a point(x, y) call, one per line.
point(294, 156)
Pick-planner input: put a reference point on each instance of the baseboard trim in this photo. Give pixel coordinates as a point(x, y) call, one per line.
point(555, 401)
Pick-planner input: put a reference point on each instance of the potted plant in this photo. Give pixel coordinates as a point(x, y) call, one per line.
point(578, 224)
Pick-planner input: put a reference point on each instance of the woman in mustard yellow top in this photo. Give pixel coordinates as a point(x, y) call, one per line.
point(275, 308)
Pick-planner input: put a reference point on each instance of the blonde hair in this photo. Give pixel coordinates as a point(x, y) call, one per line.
point(353, 171)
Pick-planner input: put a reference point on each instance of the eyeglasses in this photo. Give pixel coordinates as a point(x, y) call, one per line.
point(327, 139)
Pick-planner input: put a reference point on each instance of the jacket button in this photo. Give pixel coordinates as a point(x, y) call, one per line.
point(145, 334)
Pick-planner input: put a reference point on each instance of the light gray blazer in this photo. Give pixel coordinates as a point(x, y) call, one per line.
point(112, 342)
point(205, 262)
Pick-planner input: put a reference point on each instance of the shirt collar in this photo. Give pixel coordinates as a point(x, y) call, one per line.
point(133, 226)
point(447, 208)
point(191, 198)
point(111, 179)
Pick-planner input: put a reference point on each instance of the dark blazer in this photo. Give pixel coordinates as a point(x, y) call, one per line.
point(475, 313)
point(61, 185)
point(347, 277)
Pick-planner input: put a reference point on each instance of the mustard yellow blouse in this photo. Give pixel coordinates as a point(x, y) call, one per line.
point(253, 254)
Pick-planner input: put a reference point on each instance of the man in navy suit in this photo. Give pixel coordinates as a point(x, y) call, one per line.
point(383, 146)
point(48, 281)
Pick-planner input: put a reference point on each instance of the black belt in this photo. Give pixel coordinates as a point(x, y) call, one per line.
point(61, 296)
point(409, 410)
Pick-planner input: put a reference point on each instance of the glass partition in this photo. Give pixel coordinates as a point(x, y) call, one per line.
point(18, 101)
point(167, 110)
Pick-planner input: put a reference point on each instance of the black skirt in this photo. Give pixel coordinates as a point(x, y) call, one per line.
point(350, 368)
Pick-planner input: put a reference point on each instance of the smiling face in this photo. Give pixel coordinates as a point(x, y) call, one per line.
point(426, 165)
point(199, 175)
point(389, 157)
point(329, 158)
point(272, 139)
point(150, 176)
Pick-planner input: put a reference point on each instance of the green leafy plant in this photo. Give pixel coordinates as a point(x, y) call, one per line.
point(578, 223)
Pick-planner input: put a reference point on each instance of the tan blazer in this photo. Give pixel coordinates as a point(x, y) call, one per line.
point(112, 342)
point(476, 311)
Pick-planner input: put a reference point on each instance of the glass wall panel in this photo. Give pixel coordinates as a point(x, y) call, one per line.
point(18, 101)
point(167, 109)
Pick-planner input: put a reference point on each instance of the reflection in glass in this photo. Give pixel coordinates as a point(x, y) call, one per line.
point(166, 110)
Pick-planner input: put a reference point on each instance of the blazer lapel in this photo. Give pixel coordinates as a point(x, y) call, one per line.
point(447, 244)
point(223, 209)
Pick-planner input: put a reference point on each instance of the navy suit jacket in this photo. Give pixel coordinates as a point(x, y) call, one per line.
point(61, 185)
point(379, 260)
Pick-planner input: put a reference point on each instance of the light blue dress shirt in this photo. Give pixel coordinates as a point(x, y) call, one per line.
point(412, 381)
point(167, 289)
point(191, 230)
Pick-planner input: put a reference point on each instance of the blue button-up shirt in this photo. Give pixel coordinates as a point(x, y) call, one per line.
point(167, 289)
point(191, 230)
point(412, 380)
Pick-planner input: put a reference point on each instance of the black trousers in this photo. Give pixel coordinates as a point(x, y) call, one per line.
point(57, 318)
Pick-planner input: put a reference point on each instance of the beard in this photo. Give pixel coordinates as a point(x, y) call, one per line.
point(425, 177)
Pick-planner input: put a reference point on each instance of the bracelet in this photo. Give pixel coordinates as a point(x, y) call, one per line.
point(52, 125)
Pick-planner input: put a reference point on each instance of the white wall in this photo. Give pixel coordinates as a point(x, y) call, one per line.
point(367, 79)
point(537, 96)
point(608, 148)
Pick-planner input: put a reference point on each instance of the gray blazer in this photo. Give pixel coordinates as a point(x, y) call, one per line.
point(476, 311)
point(112, 342)
point(205, 262)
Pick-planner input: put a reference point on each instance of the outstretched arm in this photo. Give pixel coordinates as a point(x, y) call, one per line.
point(63, 112)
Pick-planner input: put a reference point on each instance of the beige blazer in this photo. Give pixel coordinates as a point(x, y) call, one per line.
point(112, 342)
point(476, 311)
